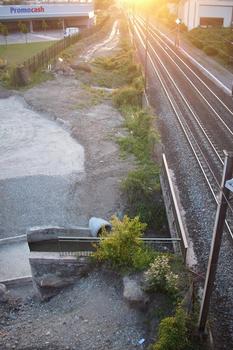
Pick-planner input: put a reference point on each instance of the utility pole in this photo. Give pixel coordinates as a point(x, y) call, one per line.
point(146, 49)
point(216, 241)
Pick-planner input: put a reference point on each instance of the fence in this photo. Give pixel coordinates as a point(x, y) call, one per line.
point(85, 246)
point(41, 59)
point(174, 215)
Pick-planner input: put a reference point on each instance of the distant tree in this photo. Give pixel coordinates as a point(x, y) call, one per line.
point(4, 31)
point(60, 26)
point(103, 4)
point(44, 25)
point(24, 30)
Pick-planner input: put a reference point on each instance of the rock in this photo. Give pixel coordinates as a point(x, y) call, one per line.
point(53, 281)
point(133, 292)
point(3, 293)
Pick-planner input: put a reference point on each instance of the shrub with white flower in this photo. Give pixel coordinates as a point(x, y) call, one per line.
point(160, 277)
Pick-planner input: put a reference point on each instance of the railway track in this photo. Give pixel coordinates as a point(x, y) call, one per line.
point(204, 113)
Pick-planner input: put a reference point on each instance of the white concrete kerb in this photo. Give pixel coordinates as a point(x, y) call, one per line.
point(13, 239)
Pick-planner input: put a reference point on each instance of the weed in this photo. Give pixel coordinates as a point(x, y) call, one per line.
point(173, 332)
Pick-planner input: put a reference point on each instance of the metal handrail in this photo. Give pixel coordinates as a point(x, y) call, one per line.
point(176, 211)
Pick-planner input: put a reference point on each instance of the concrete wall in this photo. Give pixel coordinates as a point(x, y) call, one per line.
point(224, 12)
point(51, 272)
point(190, 11)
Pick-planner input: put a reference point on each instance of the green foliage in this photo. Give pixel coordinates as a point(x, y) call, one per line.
point(214, 42)
point(23, 28)
point(197, 43)
point(127, 95)
point(210, 50)
point(142, 186)
point(173, 332)
point(102, 4)
point(117, 70)
point(122, 249)
point(160, 277)
point(142, 190)
point(4, 31)
point(142, 137)
point(142, 258)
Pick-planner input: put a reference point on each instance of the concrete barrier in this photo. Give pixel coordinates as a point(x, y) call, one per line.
point(52, 272)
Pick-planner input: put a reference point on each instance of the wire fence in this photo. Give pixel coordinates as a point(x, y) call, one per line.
point(85, 246)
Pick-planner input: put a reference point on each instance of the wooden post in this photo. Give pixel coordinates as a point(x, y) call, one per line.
point(216, 241)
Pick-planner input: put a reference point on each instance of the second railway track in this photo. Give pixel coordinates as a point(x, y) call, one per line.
point(205, 119)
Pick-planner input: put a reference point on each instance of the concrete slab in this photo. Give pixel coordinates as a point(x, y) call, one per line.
point(14, 261)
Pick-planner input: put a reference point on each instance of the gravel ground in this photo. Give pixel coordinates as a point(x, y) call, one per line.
point(199, 210)
point(90, 315)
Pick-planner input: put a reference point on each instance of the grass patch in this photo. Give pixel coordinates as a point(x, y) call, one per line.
point(142, 185)
point(36, 78)
point(17, 53)
point(114, 71)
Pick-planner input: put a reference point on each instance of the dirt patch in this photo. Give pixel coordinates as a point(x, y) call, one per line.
point(92, 120)
point(92, 314)
point(94, 127)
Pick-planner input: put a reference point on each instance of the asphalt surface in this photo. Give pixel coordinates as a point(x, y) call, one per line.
point(40, 162)
point(19, 38)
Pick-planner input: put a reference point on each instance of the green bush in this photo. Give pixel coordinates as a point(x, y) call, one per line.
point(142, 138)
point(142, 186)
point(160, 277)
point(122, 249)
point(142, 190)
point(173, 333)
point(127, 95)
point(211, 51)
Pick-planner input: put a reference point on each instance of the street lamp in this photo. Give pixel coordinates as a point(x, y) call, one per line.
point(177, 40)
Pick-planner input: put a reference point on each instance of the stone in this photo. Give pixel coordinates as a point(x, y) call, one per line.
point(21, 76)
point(133, 292)
point(3, 293)
point(53, 281)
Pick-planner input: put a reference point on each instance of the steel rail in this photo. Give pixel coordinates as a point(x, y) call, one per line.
point(187, 104)
point(186, 65)
point(193, 85)
point(156, 71)
point(201, 94)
